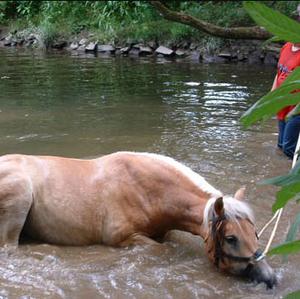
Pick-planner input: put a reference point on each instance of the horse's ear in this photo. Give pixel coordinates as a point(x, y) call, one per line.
point(240, 194)
point(219, 206)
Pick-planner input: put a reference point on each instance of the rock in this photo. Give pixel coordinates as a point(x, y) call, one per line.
point(145, 50)
point(20, 41)
point(35, 42)
point(180, 53)
point(130, 42)
point(83, 41)
point(255, 57)
point(74, 45)
point(28, 43)
point(152, 44)
point(241, 57)
point(212, 58)
point(164, 51)
point(31, 37)
point(137, 46)
point(226, 55)
point(59, 44)
point(134, 52)
point(81, 48)
point(124, 50)
point(193, 46)
point(7, 42)
point(271, 59)
point(186, 45)
point(91, 47)
point(195, 56)
point(106, 49)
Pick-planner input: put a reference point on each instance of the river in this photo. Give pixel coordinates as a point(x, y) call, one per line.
point(84, 106)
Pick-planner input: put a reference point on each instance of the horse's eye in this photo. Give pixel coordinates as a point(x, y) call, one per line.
point(232, 240)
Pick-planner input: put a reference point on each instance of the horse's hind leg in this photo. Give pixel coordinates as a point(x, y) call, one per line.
point(15, 203)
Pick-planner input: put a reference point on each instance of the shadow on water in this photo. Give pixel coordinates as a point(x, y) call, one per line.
point(84, 107)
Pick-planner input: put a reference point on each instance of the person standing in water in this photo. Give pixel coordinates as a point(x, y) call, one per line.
point(289, 128)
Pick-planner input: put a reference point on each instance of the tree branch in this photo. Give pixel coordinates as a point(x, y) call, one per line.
point(254, 32)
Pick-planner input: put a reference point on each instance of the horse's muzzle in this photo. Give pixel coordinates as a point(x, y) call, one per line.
point(262, 272)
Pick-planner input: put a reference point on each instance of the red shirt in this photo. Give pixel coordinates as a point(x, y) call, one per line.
point(288, 61)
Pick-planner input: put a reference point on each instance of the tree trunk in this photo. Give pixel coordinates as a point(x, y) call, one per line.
point(254, 32)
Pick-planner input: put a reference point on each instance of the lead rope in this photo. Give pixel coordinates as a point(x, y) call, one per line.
point(278, 212)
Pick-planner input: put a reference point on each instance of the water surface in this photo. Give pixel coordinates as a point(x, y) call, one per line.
point(81, 106)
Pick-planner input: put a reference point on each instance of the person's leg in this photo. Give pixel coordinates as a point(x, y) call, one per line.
point(290, 136)
point(281, 125)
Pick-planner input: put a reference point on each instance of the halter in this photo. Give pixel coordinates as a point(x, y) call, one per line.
point(219, 255)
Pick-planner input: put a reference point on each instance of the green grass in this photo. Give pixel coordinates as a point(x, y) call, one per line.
point(119, 21)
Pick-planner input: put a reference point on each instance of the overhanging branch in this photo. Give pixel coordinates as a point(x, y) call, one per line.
point(254, 32)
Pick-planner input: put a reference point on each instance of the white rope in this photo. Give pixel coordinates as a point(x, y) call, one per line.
point(273, 232)
point(296, 154)
point(279, 212)
point(268, 223)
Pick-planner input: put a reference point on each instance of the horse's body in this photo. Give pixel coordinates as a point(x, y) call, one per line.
point(119, 199)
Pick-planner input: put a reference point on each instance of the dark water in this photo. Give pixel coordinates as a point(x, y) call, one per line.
point(85, 107)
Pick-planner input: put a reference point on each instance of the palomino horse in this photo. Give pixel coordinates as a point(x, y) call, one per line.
point(122, 199)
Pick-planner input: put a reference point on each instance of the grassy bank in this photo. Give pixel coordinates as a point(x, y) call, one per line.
point(121, 21)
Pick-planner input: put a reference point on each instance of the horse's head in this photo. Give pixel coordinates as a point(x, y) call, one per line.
point(232, 242)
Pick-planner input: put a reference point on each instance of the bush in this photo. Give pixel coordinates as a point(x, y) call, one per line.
point(121, 20)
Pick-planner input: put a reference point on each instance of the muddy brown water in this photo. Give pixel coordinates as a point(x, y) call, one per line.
point(83, 106)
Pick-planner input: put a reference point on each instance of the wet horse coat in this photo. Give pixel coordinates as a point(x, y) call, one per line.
point(105, 200)
point(119, 199)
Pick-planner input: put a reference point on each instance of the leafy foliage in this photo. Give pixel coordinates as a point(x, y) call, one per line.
point(126, 19)
point(285, 29)
point(287, 248)
point(294, 295)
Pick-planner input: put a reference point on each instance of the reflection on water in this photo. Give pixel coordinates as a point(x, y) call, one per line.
point(85, 107)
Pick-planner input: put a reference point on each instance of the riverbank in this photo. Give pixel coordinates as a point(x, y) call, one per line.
point(135, 28)
point(218, 51)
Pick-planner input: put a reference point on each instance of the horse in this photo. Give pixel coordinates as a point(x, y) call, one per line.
point(124, 199)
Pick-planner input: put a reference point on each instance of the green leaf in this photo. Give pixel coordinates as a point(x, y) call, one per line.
point(275, 100)
point(270, 40)
point(283, 180)
point(270, 104)
point(294, 295)
point(293, 229)
point(294, 112)
point(295, 75)
point(286, 248)
point(287, 193)
point(292, 233)
point(273, 21)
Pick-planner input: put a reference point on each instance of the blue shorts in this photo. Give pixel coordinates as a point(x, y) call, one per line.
point(288, 135)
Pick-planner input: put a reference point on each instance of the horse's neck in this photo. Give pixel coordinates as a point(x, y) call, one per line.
point(192, 220)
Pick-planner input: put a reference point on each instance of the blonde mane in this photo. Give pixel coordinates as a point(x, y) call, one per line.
point(234, 209)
